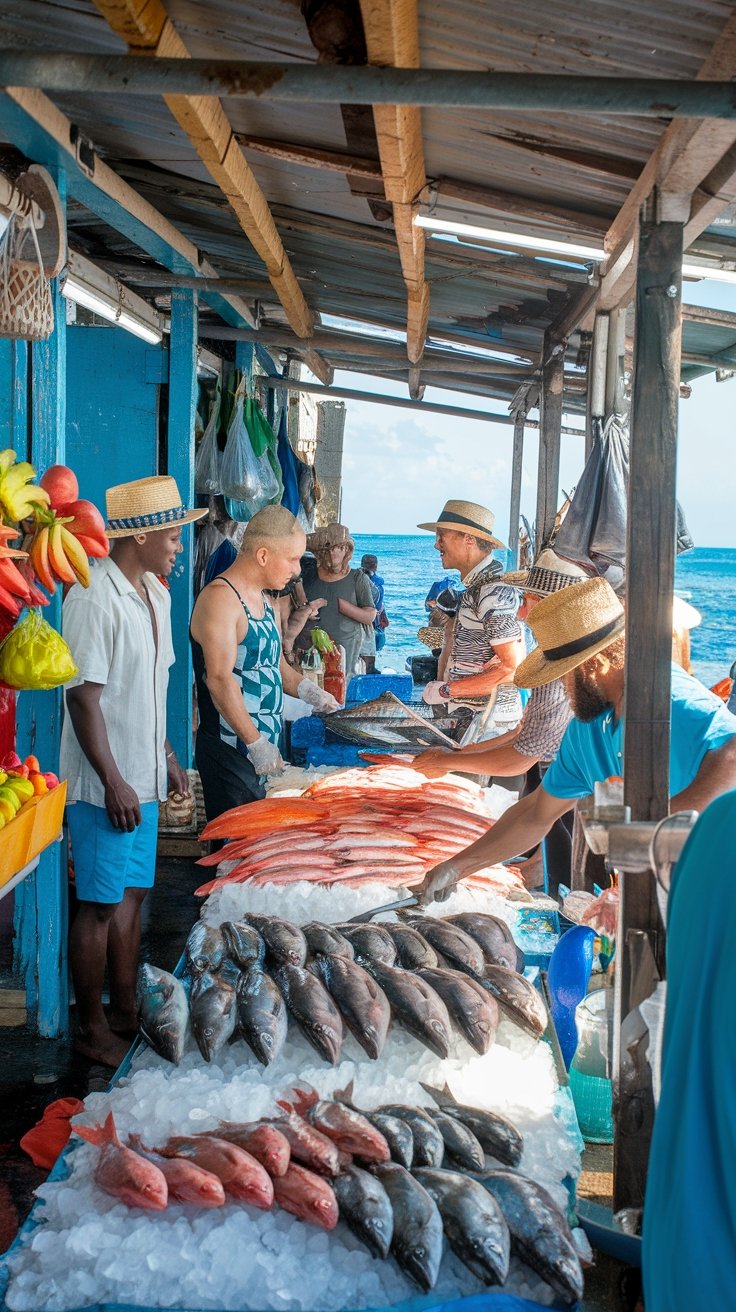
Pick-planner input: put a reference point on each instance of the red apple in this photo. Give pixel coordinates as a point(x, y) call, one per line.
point(51, 779)
point(20, 771)
point(61, 484)
point(10, 761)
point(87, 522)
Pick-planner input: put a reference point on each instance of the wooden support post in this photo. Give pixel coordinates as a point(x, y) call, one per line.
point(41, 900)
point(515, 507)
point(182, 406)
point(550, 427)
point(615, 401)
point(650, 579)
point(596, 408)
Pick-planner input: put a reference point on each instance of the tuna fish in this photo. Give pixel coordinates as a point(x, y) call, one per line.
point(285, 943)
point(417, 1237)
point(413, 950)
point(242, 1176)
point(122, 1172)
point(187, 1182)
point(212, 1013)
point(429, 1146)
point(361, 1002)
point(496, 1135)
point(307, 1196)
point(346, 1126)
point(473, 1012)
point(457, 948)
point(262, 1014)
point(308, 1145)
point(266, 1143)
point(398, 1136)
point(327, 940)
point(205, 949)
point(461, 1146)
point(416, 1006)
point(366, 1208)
point(163, 1012)
point(371, 942)
point(518, 998)
point(493, 937)
point(477, 1233)
point(540, 1234)
point(243, 943)
point(313, 1009)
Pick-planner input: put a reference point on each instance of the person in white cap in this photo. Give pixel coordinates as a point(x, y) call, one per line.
point(114, 751)
point(580, 639)
point(484, 645)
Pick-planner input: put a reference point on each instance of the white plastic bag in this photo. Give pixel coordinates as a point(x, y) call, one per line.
point(207, 466)
point(243, 473)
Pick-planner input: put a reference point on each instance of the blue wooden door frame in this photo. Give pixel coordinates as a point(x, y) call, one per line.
point(182, 409)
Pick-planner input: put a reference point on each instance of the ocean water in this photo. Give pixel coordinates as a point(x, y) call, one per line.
point(409, 565)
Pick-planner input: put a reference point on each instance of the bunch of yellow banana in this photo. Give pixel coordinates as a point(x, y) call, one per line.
point(14, 791)
point(55, 553)
point(20, 497)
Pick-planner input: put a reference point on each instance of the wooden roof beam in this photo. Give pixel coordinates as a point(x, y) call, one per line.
point(392, 38)
point(146, 27)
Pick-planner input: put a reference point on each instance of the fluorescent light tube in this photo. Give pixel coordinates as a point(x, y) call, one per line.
point(522, 241)
point(87, 285)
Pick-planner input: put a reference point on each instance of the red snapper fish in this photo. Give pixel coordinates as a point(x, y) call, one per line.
point(122, 1172)
point(187, 1182)
point(243, 1177)
point(307, 1196)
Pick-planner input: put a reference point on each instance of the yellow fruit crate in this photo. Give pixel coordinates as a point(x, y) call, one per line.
point(36, 825)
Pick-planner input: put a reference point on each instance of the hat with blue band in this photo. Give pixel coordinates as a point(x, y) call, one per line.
point(146, 505)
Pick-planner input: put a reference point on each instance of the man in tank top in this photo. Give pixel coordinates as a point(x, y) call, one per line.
point(239, 665)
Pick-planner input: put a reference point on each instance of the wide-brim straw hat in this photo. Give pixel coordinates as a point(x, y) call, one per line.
point(146, 505)
point(329, 535)
point(467, 517)
point(431, 636)
point(570, 626)
point(548, 574)
point(684, 616)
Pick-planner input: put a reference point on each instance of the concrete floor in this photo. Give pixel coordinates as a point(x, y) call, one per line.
point(35, 1072)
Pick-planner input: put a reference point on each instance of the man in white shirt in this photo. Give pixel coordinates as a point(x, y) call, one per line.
point(114, 751)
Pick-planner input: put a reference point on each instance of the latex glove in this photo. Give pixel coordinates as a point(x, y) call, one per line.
point(436, 693)
point(314, 696)
point(438, 883)
point(265, 757)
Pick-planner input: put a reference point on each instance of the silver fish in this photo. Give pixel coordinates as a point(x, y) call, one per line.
point(495, 1133)
point(313, 1009)
point(243, 943)
point(417, 1237)
point(477, 1233)
point(518, 998)
point(213, 1013)
point(472, 1011)
point(262, 1014)
point(429, 1146)
point(398, 1135)
point(327, 939)
point(163, 1011)
point(454, 946)
point(366, 1208)
point(419, 1009)
point(361, 1002)
point(540, 1234)
point(204, 949)
point(370, 942)
point(413, 950)
point(285, 943)
point(461, 1145)
point(493, 937)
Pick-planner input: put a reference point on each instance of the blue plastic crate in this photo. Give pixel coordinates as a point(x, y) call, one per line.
point(533, 922)
point(343, 754)
point(364, 687)
point(307, 732)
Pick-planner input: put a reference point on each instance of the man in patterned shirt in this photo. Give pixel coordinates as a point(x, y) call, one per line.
point(484, 646)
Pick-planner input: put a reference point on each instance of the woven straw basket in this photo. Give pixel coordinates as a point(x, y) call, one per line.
point(26, 308)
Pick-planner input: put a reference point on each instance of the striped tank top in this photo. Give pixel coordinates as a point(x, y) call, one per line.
point(257, 670)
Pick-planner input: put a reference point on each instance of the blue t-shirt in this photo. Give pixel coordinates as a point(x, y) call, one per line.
point(439, 586)
point(592, 752)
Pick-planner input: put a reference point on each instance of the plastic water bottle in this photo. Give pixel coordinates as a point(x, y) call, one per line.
point(312, 667)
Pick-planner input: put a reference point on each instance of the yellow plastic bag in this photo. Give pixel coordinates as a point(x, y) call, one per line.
point(35, 656)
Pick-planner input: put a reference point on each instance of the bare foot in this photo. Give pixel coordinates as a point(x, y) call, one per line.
point(123, 1022)
point(102, 1046)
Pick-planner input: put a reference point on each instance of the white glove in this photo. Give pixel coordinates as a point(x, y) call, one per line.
point(314, 696)
point(265, 757)
point(436, 693)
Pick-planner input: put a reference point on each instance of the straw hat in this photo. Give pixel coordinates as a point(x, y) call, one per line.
point(466, 517)
point(548, 574)
point(145, 505)
point(570, 626)
point(329, 535)
point(684, 616)
point(432, 636)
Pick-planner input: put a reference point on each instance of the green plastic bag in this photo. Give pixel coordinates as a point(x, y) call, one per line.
point(263, 441)
point(35, 656)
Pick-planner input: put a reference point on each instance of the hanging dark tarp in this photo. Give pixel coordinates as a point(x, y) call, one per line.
point(289, 468)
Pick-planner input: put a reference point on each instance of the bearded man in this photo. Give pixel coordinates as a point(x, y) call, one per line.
point(580, 637)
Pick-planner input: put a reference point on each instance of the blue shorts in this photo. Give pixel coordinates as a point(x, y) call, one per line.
point(109, 860)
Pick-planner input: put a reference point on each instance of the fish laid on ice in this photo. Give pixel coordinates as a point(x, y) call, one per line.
point(266, 1143)
point(307, 1196)
point(477, 1234)
point(417, 1237)
point(429, 1146)
point(212, 1013)
point(398, 1136)
point(285, 943)
point(360, 1000)
point(346, 1126)
point(371, 942)
point(187, 1182)
point(493, 937)
point(461, 1145)
point(473, 1012)
point(416, 1006)
point(365, 1206)
point(327, 940)
point(518, 998)
point(308, 1145)
point(313, 1009)
point(163, 1011)
point(242, 1176)
point(540, 1234)
point(413, 950)
point(243, 943)
point(122, 1172)
point(204, 949)
point(262, 1014)
point(495, 1133)
point(454, 946)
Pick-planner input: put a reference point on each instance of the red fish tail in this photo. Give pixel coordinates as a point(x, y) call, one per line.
point(99, 1134)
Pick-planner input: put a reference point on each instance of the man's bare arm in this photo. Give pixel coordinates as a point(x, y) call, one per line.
point(361, 614)
point(491, 758)
point(717, 774)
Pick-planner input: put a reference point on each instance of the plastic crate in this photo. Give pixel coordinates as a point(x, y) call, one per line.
point(309, 731)
point(364, 687)
point(531, 924)
point(343, 754)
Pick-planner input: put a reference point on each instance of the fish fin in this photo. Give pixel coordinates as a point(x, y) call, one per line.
point(285, 1106)
point(302, 1100)
point(346, 1094)
point(444, 1094)
point(99, 1134)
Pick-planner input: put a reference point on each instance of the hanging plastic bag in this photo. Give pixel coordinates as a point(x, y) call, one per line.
point(207, 466)
point(35, 656)
point(241, 470)
point(263, 441)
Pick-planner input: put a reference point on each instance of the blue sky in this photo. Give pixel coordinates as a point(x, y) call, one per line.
point(400, 466)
